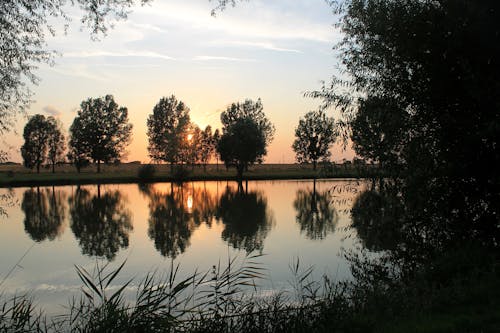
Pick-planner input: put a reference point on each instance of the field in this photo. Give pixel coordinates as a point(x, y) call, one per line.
point(12, 175)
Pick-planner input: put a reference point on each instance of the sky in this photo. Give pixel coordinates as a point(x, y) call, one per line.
point(273, 50)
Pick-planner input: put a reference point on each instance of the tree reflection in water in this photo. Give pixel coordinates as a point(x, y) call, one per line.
point(175, 214)
point(426, 229)
point(246, 219)
point(315, 213)
point(100, 222)
point(45, 211)
point(377, 220)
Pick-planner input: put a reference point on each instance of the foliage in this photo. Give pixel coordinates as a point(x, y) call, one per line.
point(315, 135)
point(100, 131)
point(241, 145)
point(56, 142)
point(167, 130)
point(35, 136)
point(208, 145)
point(249, 110)
point(43, 142)
point(78, 154)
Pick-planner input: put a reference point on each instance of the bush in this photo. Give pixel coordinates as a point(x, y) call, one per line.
point(146, 171)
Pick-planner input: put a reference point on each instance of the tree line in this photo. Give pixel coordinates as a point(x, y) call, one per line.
point(101, 132)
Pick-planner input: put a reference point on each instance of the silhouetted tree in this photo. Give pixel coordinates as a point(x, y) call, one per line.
point(249, 110)
point(315, 135)
point(246, 219)
point(34, 150)
point(167, 130)
point(56, 142)
point(315, 213)
point(78, 153)
point(45, 211)
point(207, 147)
point(216, 139)
point(103, 130)
point(242, 144)
point(194, 145)
point(101, 222)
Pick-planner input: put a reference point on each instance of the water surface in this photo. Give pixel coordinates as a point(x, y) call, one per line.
point(48, 230)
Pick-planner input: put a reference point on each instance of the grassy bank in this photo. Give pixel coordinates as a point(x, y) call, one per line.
point(17, 175)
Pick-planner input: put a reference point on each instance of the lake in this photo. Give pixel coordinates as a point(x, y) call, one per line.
point(46, 231)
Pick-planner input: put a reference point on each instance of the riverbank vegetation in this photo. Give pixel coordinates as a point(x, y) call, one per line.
point(16, 175)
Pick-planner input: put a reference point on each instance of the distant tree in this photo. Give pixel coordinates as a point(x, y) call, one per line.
point(242, 144)
point(207, 147)
point(193, 145)
point(103, 129)
point(78, 153)
point(167, 130)
point(315, 134)
point(216, 139)
point(255, 112)
point(34, 150)
point(56, 142)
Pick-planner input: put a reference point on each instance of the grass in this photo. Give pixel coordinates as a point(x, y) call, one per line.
point(226, 299)
point(17, 175)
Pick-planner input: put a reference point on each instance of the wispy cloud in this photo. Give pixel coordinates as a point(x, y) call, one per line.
point(93, 54)
point(51, 110)
point(259, 45)
point(222, 58)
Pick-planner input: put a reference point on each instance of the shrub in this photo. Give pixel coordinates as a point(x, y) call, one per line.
point(146, 171)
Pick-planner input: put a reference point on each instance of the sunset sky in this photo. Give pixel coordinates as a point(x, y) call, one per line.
point(275, 50)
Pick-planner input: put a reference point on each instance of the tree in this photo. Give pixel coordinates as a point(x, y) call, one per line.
point(102, 130)
point(56, 142)
point(193, 145)
point(241, 145)
point(167, 130)
point(315, 135)
point(378, 130)
point(78, 150)
point(216, 139)
point(208, 145)
point(255, 112)
point(34, 150)
point(24, 26)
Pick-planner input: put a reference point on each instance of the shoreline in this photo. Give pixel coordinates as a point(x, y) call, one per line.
point(18, 176)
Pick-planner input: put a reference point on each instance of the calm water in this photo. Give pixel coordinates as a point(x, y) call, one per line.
point(48, 230)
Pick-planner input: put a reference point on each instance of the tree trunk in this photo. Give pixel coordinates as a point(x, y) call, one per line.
point(98, 166)
point(53, 167)
point(38, 168)
point(314, 165)
point(239, 169)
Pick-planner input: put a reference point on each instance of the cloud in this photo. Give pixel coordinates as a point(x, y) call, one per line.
point(93, 54)
point(259, 45)
point(222, 58)
point(51, 110)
